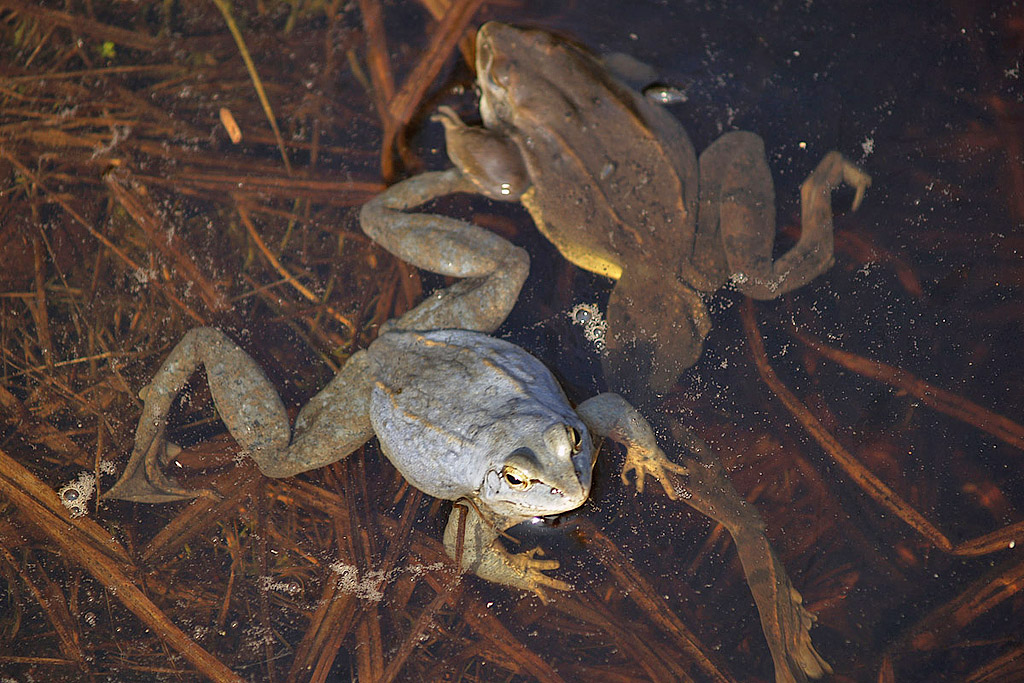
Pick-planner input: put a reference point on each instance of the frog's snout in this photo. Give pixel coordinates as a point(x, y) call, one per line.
point(583, 465)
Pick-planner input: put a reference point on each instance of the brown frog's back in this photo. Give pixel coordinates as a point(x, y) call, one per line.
point(615, 176)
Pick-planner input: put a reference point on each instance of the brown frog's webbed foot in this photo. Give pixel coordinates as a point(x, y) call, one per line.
point(483, 554)
point(784, 620)
point(833, 170)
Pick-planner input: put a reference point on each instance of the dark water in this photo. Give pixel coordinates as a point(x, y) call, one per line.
point(927, 98)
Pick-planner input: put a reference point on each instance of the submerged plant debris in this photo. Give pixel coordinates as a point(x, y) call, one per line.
point(171, 165)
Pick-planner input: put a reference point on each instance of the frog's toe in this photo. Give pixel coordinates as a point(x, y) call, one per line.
point(835, 169)
point(800, 648)
point(858, 180)
point(657, 466)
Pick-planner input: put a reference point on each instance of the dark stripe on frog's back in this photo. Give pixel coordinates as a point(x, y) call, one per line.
point(613, 222)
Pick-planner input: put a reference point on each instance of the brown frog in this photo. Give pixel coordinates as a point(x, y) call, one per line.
point(614, 182)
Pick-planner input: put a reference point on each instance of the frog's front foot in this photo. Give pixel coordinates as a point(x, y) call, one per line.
point(609, 415)
point(646, 461)
point(480, 551)
point(527, 572)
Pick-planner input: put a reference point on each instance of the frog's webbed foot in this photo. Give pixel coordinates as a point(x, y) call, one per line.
point(737, 193)
point(784, 620)
point(483, 554)
point(611, 416)
point(144, 481)
point(245, 399)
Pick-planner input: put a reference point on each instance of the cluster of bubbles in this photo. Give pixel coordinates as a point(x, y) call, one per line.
point(370, 585)
point(75, 494)
point(588, 316)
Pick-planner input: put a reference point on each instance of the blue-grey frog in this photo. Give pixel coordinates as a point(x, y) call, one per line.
point(613, 181)
point(462, 415)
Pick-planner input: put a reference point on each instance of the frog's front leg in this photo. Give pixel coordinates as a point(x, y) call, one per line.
point(611, 416)
point(483, 554)
point(493, 268)
point(737, 195)
point(334, 423)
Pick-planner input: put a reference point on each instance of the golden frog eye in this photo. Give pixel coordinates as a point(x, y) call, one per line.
point(514, 478)
point(575, 438)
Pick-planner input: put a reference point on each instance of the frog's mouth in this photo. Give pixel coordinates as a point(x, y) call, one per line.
point(540, 497)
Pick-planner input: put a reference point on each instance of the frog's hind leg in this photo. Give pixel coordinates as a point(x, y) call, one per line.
point(785, 621)
point(493, 268)
point(250, 408)
point(746, 206)
point(648, 353)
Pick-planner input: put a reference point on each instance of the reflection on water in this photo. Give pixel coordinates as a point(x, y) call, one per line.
point(881, 372)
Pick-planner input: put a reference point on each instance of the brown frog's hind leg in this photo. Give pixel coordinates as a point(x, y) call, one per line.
point(735, 169)
point(494, 269)
point(252, 411)
point(784, 620)
point(657, 329)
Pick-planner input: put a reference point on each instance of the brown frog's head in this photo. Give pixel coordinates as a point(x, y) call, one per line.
point(522, 73)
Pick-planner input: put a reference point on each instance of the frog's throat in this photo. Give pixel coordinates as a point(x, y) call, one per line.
point(485, 515)
point(576, 254)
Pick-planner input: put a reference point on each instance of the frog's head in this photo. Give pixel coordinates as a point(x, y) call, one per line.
point(546, 472)
point(514, 66)
point(497, 45)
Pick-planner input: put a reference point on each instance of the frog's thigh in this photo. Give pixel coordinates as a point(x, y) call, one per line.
point(331, 425)
point(737, 190)
point(334, 423)
point(245, 400)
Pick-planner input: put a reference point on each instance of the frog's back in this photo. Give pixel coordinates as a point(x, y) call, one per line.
point(616, 183)
point(446, 401)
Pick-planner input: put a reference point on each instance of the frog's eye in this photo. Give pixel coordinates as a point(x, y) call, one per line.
point(575, 438)
point(515, 478)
